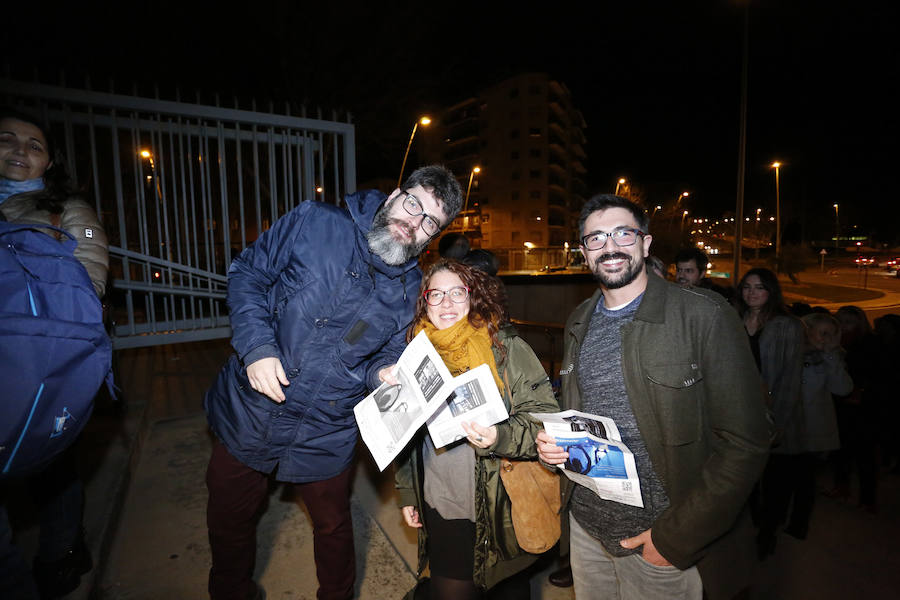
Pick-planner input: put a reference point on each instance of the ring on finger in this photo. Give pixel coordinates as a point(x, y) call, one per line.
point(479, 439)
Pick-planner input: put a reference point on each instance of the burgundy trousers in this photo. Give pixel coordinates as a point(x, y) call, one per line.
point(236, 496)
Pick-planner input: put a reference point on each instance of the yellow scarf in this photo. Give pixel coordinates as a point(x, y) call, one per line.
point(462, 347)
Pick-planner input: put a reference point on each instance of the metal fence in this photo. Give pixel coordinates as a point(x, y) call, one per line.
point(181, 189)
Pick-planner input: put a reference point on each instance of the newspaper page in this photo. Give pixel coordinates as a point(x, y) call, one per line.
point(597, 459)
point(475, 398)
point(389, 417)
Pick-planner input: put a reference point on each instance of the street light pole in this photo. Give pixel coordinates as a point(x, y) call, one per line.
point(423, 121)
point(469, 189)
point(837, 226)
point(777, 166)
point(621, 181)
point(758, 210)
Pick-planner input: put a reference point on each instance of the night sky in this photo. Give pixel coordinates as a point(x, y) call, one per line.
point(657, 82)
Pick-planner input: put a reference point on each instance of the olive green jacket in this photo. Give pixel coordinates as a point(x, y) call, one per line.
point(77, 218)
point(497, 555)
point(698, 400)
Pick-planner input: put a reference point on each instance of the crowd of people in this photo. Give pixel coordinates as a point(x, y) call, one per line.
point(728, 399)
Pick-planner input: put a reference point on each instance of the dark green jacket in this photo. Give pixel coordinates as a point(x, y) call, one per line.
point(698, 401)
point(497, 556)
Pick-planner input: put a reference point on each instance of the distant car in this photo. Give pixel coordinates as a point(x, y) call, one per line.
point(865, 261)
point(892, 264)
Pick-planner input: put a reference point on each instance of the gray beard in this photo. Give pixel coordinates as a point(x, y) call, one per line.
point(623, 279)
point(383, 244)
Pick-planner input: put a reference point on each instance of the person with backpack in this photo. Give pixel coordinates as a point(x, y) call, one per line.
point(35, 190)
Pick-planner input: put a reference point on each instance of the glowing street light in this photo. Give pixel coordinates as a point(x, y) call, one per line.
point(777, 166)
point(424, 121)
point(679, 198)
point(469, 189)
point(837, 226)
point(621, 181)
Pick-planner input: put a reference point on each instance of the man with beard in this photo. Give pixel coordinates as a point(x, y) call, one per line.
point(319, 304)
point(673, 368)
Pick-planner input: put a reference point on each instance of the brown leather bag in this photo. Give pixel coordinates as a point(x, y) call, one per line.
point(534, 494)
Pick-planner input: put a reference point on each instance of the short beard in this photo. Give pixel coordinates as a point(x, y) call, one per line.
point(382, 242)
point(635, 266)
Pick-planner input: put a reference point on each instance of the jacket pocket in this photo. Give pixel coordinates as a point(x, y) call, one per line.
point(676, 392)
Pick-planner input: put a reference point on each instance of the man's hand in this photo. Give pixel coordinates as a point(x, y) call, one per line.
point(265, 375)
point(548, 451)
point(478, 436)
point(650, 554)
point(386, 375)
point(411, 516)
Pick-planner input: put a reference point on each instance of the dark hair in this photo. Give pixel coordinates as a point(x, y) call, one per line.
point(856, 318)
point(487, 299)
point(605, 201)
point(483, 260)
point(440, 182)
point(695, 254)
point(58, 184)
point(774, 306)
point(453, 245)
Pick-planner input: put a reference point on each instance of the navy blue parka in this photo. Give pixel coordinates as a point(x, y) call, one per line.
point(310, 292)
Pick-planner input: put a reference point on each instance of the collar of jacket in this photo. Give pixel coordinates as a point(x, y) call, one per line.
point(362, 206)
point(652, 308)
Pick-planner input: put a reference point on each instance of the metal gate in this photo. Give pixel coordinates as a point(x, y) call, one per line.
point(181, 189)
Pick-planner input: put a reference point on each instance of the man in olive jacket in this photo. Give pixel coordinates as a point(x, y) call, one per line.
point(673, 368)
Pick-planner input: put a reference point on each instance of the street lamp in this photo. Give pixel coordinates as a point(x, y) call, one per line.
point(837, 226)
point(679, 198)
point(469, 189)
point(658, 207)
point(621, 181)
point(756, 234)
point(683, 217)
point(423, 121)
point(777, 166)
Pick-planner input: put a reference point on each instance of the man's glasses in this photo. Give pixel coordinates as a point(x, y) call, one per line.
point(625, 236)
point(411, 205)
point(458, 295)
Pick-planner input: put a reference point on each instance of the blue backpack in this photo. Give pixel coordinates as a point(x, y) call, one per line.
point(54, 350)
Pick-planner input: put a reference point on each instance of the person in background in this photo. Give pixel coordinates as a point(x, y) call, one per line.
point(857, 412)
point(690, 271)
point(35, 188)
point(656, 266)
point(453, 495)
point(810, 433)
point(777, 339)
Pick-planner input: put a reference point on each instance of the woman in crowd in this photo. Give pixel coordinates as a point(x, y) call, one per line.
point(858, 411)
point(777, 339)
point(454, 494)
point(812, 431)
point(35, 188)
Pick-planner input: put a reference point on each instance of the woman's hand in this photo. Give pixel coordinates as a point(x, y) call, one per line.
point(548, 451)
point(478, 436)
point(386, 375)
point(411, 516)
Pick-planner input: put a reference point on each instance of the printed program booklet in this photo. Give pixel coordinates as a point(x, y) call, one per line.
point(597, 459)
point(389, 417)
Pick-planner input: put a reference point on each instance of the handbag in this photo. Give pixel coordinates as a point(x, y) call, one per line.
point(534, 495)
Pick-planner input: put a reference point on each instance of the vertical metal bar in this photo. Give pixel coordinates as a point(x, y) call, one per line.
point(273, 199)
point(256, 182)
point(335, 170)
point(288, 160)
point(95, 163)
point(240, 182)
point(223, 196)
point(123, 230)
point(350, 161)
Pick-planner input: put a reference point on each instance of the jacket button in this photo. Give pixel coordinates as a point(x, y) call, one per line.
point(293, 373)
point(320, 323)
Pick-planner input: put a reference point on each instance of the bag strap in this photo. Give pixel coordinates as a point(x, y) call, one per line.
point(58, 232)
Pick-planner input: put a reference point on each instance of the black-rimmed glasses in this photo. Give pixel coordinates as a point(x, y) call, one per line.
point(624, 236)
point(458, 295)
point(413, 207)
